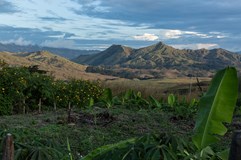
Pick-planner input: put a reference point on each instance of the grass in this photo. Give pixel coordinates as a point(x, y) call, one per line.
point(158, 87)
point(85, 136)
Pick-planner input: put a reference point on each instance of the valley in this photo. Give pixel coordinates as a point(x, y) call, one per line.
point(113, 101)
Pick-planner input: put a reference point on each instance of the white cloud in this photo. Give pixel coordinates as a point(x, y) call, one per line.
point(20, 41)
point(201, 35)
point(207, 45)
point(173, 34)
point(59, 43)
point(146, 37)
point(196, 46)
point(57, 36)
point(221, 37)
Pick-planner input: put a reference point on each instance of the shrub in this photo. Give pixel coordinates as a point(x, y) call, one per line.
point(5, 105)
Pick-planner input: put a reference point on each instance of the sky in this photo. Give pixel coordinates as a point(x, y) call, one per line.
point(97, 24)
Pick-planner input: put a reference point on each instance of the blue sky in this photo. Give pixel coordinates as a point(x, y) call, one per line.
point(96, 24)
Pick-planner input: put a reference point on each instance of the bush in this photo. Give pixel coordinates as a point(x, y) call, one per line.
point(5, 105)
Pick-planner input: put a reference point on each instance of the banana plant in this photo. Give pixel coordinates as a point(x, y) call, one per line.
point(216, 107)
point(171, 100)
point(154, 102)
point(107, 98)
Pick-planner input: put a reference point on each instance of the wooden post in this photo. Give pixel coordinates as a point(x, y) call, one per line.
point(8, 148)
point(69, 112)
point(235, 149)
point(39, 105)
point(55, 106)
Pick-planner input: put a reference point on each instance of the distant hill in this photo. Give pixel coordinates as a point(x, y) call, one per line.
point(64, 52)
point(159, 59)
point(57, 66)
point(116, 54)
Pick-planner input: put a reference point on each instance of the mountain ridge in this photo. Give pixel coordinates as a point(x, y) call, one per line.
point(59, 67)
point(63, 52)
point(160, 57)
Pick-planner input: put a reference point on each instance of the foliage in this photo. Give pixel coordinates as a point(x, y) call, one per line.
point(152, 147)
point(107, 99)
point(14, 82)
point(154, 103)
point(171, 100)
point(22, 88)
point(37, 149)
point(69, 149)
point(25, 89)
point(216, 107)
point(5, 105)
point(132, 99)
point(184, 109)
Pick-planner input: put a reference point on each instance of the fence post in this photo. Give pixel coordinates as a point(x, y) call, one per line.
point(235, 149)
point(8, 148)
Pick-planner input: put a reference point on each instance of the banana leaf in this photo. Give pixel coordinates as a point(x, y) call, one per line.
point(216, 107)
point(107, 148)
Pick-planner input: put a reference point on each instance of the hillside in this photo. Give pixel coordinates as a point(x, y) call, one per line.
point(59, 67)
point(159, 59)
point(64, 52)
point(116, 54)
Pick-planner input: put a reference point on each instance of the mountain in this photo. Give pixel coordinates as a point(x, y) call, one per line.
point(57, 66)
point(64, 52)
point(116, 54)
point(160, 59)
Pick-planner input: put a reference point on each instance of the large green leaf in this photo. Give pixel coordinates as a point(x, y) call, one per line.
point(107, 148)
point(216, 107)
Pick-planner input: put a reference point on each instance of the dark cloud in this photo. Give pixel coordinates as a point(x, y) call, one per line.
point(53, 19)
point(207, 15)
point(7, 7)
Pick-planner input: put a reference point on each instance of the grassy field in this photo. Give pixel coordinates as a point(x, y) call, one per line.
point(94, 128)
point(159, 87)
point(88, 129)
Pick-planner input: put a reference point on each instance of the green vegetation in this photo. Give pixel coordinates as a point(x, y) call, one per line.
point(216, 107)
point(25, 90)
point(54, 119)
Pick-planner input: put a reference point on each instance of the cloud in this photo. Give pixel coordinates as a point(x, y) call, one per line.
point(59, 43)
point(206, 46)
point(173, 34)
point(63, 36)
point(146, 37)
point(91, 7)
point(123, 22)
point(55, 19)
point(20, 41)
point(7, 7)
point(196, 46)
point(201, 35)
point(221, 36)
point(201, 16)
